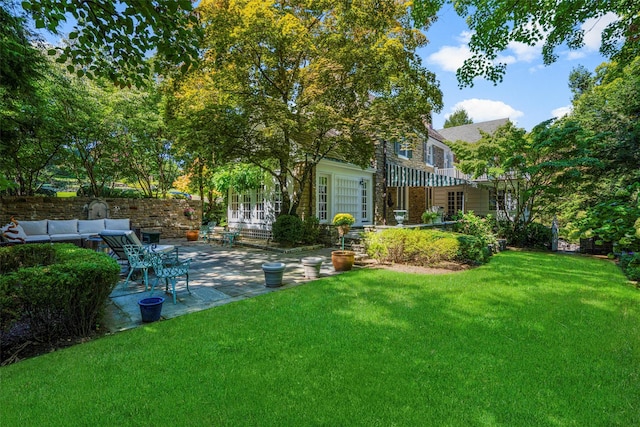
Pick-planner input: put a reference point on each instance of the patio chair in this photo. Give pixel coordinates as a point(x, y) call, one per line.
point(206, 231)
point(116, 239)
point(139, 259)
point(169, 268)
point(231, 236)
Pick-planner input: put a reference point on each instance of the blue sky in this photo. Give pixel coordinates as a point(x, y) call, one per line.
point(530, 92)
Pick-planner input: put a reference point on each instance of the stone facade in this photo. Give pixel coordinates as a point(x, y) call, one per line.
point(164, 215)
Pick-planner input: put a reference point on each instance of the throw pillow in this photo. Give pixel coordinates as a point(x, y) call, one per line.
point(13, 232)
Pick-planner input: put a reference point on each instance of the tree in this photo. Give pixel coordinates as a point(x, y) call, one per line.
point(607, 204)
point(533, 168)
point(302, 80)
point(114, 39)
point(458, 118)
point(495, 24)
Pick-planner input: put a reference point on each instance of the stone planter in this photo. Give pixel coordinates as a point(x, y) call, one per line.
point(311, 267)
point(273, 272)
point(343, 260)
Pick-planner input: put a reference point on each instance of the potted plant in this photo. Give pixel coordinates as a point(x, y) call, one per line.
point(190, 213)
point(429, 216)
point(343, 260)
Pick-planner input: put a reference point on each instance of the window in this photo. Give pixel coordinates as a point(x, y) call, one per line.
point(501, 200)
point(277, 199)
point(402, 150)
point(246, 206)
point(260, 203)
point(323, 198)
point(347, 195)
point(364, 201)
point(455, 202)
point(235, 205)
point(428, 153)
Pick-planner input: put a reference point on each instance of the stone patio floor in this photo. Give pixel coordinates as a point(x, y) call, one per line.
point(218, 275)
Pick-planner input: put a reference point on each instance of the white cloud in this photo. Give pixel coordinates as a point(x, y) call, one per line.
point(450, 58)
point(561, 111)
point(593, 29)
point(524, 52)
point(482, 110)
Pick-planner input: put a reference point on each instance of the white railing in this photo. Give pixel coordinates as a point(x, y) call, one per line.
point(457, 173)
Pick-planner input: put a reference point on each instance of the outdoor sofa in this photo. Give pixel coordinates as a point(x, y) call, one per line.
point(62, 230)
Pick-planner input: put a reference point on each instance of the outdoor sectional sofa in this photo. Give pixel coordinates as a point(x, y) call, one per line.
point(69, 230)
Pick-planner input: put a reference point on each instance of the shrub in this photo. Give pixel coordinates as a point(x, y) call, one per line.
point(64, 297)
point(287, 229)
point(630, 264)
point(424, 247)
point(310, 229)
point(341, 219)
point(472, 225)
point(533, 235)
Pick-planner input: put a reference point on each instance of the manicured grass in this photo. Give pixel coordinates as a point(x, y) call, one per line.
point(529, 339)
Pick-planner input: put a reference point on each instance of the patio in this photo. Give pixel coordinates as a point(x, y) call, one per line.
point(218, 275)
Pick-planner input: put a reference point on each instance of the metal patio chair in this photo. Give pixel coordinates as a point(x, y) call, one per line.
point(170, 268)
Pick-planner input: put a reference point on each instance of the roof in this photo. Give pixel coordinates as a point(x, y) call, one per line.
point(471, 133)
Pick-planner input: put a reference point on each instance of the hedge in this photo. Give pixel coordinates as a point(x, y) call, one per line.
point(59, 290)
point(425, 247)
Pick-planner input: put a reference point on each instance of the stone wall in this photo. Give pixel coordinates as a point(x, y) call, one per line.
point(164, 215)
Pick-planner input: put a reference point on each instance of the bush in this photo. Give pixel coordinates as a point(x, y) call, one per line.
point(425, 247)
point(533, 235)
point(472, 225)
point(310, 229)
point(63, 296)
point(630, 265)
point(287, 229)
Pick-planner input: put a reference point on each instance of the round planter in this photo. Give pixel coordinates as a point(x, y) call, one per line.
point(312, 266)
point(342, 260)
point(273, 272)
point(151, 308)
point(192, 235)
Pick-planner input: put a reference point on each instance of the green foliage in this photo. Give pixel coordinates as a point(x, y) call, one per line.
point(341, 219)
point(629, 262)
point(531, 235)
point(473, 225)
point(21, 256)
point(287, 229)
point(114, 39)
point(425, 247)
point(459, 117)
point(494, 25)
point(61, 297)
point(614, 220)
point(311, 229)
point(428, 216)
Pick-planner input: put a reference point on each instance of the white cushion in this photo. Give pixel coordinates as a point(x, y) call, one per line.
point(64, 226)
point(90, 226)
point(116, 224)
point(34, 227)
point(14, 233)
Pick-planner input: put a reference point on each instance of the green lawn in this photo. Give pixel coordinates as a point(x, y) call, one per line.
point(529, 339)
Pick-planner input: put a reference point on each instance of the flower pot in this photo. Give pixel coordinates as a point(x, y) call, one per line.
point(311, 267)
point(151, 308)
point(273, 272)
point(192, 235)
point(342, 260)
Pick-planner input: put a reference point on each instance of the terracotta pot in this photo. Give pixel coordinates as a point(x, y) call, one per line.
point(343, 260)
point(192, 235)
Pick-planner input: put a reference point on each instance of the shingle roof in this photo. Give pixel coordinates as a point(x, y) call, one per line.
point(471, 133)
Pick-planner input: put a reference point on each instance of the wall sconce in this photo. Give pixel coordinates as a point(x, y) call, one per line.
point(361, 182)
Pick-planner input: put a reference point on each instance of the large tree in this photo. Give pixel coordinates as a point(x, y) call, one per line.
point(495, 24)
point(302, 80)
point(113, 39)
